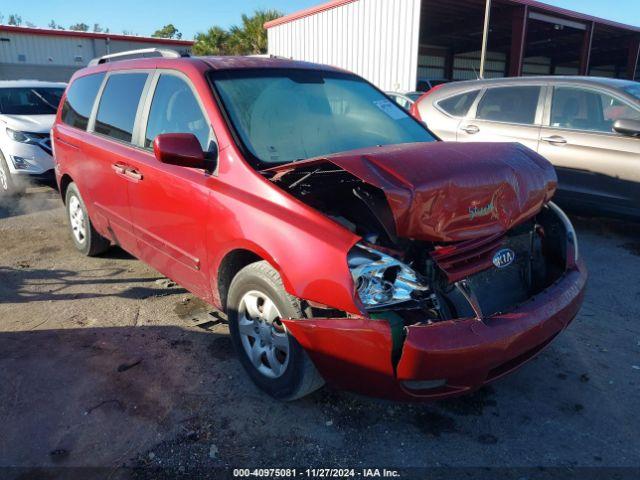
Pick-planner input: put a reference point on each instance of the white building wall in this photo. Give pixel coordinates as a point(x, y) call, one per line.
point(56, 57)
point(376, 39)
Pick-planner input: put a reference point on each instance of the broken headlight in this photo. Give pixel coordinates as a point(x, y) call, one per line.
point(380, 279)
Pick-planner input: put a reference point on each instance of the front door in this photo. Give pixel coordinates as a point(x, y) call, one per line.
point(505, 114)
point(597, 167)
point(169, 203)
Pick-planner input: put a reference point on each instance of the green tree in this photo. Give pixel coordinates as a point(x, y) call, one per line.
point(55, 26)
point(250, 38)
point(15, 19)
point(168, 31)
point(97, 28)
point(79, 27)
point(214, 41)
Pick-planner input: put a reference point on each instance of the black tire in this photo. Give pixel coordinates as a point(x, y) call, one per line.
point(300, 376)
point(8, 185)
point(92, 243)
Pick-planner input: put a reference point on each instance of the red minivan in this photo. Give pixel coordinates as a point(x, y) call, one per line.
point(345, 243)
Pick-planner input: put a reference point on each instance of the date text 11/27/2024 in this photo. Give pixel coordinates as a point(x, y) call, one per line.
point(315, 473)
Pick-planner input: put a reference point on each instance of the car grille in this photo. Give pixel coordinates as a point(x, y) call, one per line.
point(43, 141)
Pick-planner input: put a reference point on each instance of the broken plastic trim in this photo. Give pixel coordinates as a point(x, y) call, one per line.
point(381, 280)
point(572, 238)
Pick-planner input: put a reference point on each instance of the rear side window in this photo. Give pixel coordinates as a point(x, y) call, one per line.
point(79, 102)
point(175, 110)
point(458, 105)
point(119, 104)
point(510, 104)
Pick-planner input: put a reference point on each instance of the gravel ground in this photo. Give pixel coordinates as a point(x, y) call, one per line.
point(104, 363)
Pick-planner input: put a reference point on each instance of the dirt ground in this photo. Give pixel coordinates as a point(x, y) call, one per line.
point(104, 363)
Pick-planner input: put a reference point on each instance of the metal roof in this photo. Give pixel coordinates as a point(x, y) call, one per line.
point(530, 3)
point(104, 36)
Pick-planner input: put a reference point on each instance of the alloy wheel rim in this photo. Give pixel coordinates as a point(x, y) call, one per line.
point(4, 182)
point(263, 335)
point(77, 220)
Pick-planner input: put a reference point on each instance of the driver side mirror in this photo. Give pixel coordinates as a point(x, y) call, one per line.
point(183, 149)
point(627, 127)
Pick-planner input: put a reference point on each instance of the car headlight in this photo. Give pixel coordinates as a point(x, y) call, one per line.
point(17, 136)
point(380, 279)
point(572, 238)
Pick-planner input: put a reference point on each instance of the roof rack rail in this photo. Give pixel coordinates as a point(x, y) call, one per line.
point(160, 52)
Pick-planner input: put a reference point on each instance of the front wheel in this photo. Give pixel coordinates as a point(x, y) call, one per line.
point(8, 185)
point(274, 360)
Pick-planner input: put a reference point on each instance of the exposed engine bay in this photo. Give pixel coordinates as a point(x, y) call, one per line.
point(502, 243)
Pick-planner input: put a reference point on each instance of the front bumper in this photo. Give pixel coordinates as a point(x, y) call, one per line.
point(356, 353)
point(39, 160)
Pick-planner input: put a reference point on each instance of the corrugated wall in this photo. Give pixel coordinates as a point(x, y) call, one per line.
point(377, 39)
point(53, 57)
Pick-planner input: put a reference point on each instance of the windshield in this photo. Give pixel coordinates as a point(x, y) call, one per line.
point(288, 115)
point(30, 100)
point(633, 89)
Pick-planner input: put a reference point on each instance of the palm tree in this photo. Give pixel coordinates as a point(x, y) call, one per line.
point(214, 41)
point(251, 37)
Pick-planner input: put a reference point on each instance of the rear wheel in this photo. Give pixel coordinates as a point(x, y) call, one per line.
point(86, 239)
point(274, 360)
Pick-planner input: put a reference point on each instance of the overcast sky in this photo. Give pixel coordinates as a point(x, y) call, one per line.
point(191, 16)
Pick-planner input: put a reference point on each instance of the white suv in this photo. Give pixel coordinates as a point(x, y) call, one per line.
point(27, 112)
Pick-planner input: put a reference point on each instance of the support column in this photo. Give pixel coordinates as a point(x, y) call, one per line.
point(585, 52)
point(448, 64)
point(632, 61)
point(518, 40)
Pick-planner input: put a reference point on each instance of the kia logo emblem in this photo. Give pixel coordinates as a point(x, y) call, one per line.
point(503, 257)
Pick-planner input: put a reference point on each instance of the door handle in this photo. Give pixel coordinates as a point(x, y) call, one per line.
point(554, 140)
point(470, 129)
point(119, 168)
point(133, 173)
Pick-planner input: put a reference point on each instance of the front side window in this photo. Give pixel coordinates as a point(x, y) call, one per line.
point(79, 101)
point(458, 105)
point(174, 109)
point(510, 104)
point(288, 115)
point(588, 110)
point(30, 100)
point(119, 104)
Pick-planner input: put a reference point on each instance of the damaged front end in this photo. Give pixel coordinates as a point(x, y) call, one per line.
point(464, 270)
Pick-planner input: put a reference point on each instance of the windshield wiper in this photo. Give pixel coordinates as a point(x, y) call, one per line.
point(44, 99)
point(303, 178)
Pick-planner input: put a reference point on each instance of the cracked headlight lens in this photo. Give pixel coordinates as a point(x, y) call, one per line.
point(380, 279)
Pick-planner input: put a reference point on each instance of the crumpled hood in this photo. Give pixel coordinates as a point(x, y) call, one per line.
point(29, 123)
point(446, 192)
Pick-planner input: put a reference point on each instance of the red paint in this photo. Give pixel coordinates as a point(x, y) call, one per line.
point(354, 354)
point(184, 222)
point(431, 187)
point(103, 36)
point(467, 258)
point(181, 149)
point(350, 353)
